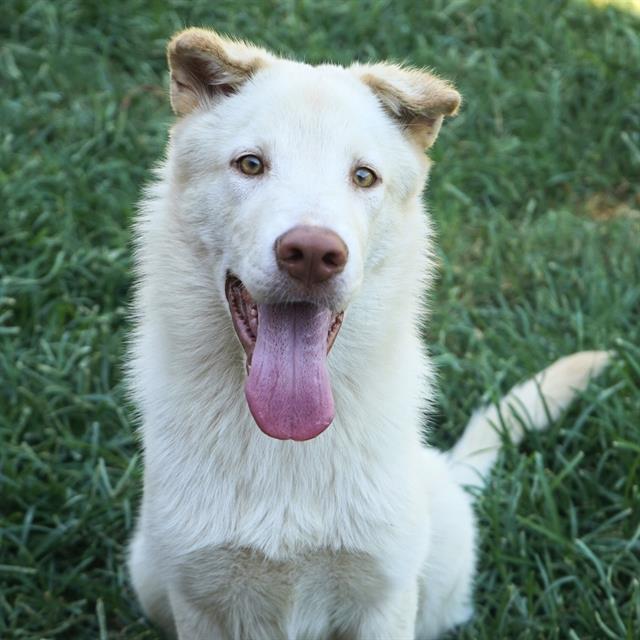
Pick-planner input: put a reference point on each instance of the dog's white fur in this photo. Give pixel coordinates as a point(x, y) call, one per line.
point(363, 531)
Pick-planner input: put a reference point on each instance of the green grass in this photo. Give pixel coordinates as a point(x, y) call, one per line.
point(536, 198)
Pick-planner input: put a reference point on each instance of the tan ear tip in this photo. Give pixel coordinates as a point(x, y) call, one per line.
point(190, 39)
point(178, 42)
point(452, 103)
point(181, 36)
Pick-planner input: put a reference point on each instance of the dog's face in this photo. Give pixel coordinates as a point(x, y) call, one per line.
point(292, 179)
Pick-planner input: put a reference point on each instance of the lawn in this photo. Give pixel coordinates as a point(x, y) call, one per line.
point(536, 198)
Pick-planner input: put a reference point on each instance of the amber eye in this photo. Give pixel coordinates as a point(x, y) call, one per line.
point(364, 177)
point(250, 165)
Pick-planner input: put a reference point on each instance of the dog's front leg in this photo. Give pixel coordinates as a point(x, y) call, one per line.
point(192, 623)
point(393, 619)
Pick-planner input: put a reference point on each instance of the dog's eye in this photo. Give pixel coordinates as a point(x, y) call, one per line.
point(250, 165)
point(364, 177)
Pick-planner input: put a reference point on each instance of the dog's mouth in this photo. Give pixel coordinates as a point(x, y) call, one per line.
point(287, 385)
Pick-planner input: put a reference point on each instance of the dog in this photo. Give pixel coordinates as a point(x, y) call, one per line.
point(282, 254)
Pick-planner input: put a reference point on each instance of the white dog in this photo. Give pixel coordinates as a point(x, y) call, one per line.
point(282, 255)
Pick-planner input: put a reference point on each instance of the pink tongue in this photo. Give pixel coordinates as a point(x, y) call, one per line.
point(288, 388)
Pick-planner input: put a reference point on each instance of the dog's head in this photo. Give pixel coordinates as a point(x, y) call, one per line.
point(292, 179)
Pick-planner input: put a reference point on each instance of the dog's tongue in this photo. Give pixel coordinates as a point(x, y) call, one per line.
point(288, 388)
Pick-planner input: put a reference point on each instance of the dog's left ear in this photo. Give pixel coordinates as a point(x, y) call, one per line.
point(417, 99)
point(206, 66)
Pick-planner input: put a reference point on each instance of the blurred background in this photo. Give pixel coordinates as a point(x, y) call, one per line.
point(536, 199)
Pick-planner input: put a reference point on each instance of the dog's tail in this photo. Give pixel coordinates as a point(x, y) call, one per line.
point(533, 404)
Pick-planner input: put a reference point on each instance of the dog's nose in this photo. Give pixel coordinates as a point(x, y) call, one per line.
point(311, 254)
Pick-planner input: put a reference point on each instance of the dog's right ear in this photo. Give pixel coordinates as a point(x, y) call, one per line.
point(415, 98)
point(205, 66)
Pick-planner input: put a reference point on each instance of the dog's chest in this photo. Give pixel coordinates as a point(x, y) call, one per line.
point(301, 596)
point(278, 497)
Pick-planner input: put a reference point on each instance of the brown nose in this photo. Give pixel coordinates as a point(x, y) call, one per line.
point(311, 254)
